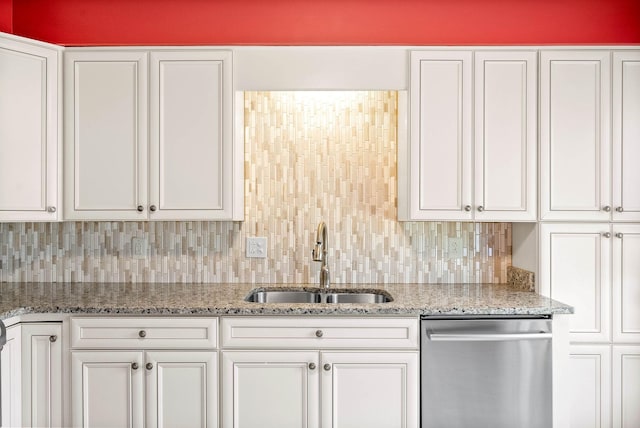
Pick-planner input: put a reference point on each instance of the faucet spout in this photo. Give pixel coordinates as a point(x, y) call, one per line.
point(319, 254)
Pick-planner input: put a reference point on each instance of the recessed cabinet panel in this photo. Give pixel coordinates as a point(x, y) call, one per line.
point(505, 135)
point(107, 389)
point(10, 375)
point(191, 135)
point(182, 389)
point(575, 143)
point(441, 134)
point(267, 389)
point(373, 390)
point(626, 136)
point(590, 382)
point(626, 386)
point(626, 283)
point(29, 154)
point(574, 267)
point(106, 135)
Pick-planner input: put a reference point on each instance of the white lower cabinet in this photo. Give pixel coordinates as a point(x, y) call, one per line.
point(107, 388)
point(340, 376)
point(626, 386)
point(590, 378)
point(129, 382)
point(369, 389)
point(270, 389)
point(31, 376)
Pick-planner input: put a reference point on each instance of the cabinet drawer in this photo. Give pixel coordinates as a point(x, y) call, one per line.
point(318, 333)
point(141, 333)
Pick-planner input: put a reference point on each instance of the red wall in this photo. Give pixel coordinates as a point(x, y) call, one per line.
point(276, 22)
point(6, 16)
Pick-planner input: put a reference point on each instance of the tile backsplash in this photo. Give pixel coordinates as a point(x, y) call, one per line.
point(309, 157)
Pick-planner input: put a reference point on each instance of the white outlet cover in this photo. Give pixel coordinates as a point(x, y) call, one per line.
point(139, 248)
point(455, 248)
point(256, 247)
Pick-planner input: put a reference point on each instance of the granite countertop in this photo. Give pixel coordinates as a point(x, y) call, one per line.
point(227, 299)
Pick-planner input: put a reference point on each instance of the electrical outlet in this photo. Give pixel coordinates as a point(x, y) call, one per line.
point(257, 247)
point(139, 248)
point(455, 247)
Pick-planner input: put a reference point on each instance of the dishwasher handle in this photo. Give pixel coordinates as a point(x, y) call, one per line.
point(486, 337)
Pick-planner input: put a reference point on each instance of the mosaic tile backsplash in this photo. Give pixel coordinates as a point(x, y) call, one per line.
point(309, 157)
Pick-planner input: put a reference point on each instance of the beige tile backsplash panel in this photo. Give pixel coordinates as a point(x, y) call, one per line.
point(309, 157)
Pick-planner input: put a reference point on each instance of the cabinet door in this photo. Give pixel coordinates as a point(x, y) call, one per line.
point(626, 135)
point(505, 136)
point(42, 375)
point(590, 386)
point(574, 268)
point(191, 136)
point(440, 142)
point(626, 283)
point(268, 389)
point(107, 389)
point(11, 379)
point(575, 144)
point(370, 389)
point(182, 389)
point(29, 138)
point(626, 386)
point(105, 135)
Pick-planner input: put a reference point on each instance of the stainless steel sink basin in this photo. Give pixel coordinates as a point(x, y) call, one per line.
point(274, 295)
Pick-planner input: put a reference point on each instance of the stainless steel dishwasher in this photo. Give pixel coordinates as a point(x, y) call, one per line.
point(486, 372)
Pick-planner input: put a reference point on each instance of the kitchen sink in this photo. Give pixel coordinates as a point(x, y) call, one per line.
point(274, 295)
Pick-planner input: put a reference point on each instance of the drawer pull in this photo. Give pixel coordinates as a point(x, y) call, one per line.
point(327, 367)
point(134, 366)
point(53, 338)
point(149, 366)
point(312, 366)
point(142, 333)
point(319, 333)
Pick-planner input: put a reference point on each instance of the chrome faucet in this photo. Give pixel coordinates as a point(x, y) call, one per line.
point(319, 254)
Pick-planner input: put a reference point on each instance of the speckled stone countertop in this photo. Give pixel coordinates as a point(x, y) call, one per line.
point(228, 299)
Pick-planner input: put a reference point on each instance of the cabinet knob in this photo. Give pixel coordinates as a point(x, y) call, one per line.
point(142, 333)
point(149, 366)
point(53, 338)
point(134, 366)
point(152, 208)
point(327, 367)
point(606, 235)
point(467, 208)
point(51, 209)
point(619, 235)
point(619, 209)
point(480, 208)
point(319, 333)
point(312, 366)
point(140, 208)
point(606, 208)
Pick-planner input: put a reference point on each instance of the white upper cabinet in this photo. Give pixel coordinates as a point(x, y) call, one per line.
point(30, 152)
point(626, 136)
point(440, 136)
point(191, 135)
point(626, 283)
point(105, 135)
point(446, 142)
point(505, 136)
point(575, 145)
point(575, 267)
point(185, 168)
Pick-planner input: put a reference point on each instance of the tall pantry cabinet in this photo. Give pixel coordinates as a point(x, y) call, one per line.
point(589, 201)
